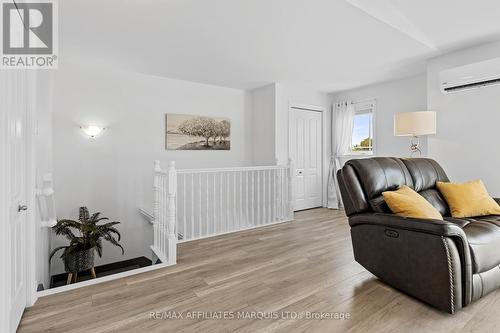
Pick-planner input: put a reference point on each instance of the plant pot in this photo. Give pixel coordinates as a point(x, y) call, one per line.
point(79, 261)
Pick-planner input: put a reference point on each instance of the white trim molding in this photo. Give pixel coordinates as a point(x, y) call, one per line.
point(147, 215)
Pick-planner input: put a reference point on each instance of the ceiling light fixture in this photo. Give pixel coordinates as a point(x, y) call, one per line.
point(92, 130)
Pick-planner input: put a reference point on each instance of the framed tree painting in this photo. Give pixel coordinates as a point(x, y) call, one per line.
point(190, 132)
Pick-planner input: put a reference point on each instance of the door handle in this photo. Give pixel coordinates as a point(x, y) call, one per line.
point(20, 208)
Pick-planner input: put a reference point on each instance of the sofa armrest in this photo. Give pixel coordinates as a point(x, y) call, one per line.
point(430, 228)
point(435, 227)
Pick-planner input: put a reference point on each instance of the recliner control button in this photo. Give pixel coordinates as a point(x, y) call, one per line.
point(391, 233)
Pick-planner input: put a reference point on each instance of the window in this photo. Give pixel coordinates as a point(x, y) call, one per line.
point(362, 133)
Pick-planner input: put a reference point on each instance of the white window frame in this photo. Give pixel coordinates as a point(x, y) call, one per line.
point(364, 107)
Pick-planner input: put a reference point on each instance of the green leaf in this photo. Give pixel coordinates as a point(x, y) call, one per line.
point(55, 250)
point(90, 234)
point(99, 248)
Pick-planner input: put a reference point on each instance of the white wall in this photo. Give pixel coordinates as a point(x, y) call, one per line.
point(403, 95)
point(467, 122)
point(263, 103)
point(43, 165)
point(113, 173)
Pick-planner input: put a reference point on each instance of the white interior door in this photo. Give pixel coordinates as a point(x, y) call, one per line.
point(17, 108)
point(305, 151)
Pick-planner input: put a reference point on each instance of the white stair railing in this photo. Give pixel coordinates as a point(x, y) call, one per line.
point(198, 203)
point(164, 212)
point(46, 202)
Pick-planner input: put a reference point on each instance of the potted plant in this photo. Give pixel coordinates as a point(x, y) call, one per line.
point(79, 254)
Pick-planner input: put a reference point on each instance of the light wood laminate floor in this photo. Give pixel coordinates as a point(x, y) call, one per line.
point(286, 269)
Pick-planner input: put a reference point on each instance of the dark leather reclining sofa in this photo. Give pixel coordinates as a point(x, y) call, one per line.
point(447, 264)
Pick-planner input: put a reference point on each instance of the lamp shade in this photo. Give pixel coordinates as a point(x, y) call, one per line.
point(415, 123)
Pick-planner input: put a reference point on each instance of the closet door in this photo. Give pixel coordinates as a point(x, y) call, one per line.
point(305, 151)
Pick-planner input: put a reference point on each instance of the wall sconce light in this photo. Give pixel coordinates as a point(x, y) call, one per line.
point(92, 130)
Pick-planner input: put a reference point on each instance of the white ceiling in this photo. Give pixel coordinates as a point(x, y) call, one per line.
point(331, 44)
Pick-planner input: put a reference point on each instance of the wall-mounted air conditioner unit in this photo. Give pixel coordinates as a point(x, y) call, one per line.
point(477, 75)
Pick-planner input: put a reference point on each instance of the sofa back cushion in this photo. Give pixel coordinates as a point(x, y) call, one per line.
point(377, 175)
point(362, 182)
point(425, 173)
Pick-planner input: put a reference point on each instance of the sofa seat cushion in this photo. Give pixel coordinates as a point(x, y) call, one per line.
point(495, 219)
point(483, 235)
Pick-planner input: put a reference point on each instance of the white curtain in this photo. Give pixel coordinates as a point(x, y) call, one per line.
point(342, 126)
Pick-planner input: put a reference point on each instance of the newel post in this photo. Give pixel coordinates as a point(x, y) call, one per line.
point(291, 175)
point(172, 214)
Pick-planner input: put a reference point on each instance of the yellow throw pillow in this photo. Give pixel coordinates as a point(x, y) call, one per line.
point(408, 203)
point(468, 199)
